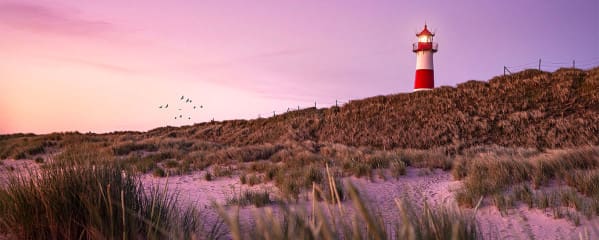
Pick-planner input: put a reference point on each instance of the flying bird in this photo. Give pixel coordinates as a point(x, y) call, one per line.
point(182, 97)
point(189, 118)
point(180, 116)
point(194, 107)
point(166, 106)
point(175, 117)
point(160, 106)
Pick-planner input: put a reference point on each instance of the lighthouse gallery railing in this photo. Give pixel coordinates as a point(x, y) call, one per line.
point(423, 46)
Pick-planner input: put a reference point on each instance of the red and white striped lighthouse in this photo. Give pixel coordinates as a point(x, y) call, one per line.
point(424, 49)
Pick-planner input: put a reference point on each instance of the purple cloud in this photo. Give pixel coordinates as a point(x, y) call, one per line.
point(39, 18)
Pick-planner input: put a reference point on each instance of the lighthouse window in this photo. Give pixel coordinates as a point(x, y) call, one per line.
point(423, 38)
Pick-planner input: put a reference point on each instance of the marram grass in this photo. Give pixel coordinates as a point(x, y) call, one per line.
point(335, 222)
point(93, 202)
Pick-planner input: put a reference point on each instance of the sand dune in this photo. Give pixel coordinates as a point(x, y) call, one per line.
point(420, 185)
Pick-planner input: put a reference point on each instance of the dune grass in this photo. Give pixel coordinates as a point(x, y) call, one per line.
point(559, 180)
point(333, 222)
point(84, 194)
point(92, 202)
point(249, 197)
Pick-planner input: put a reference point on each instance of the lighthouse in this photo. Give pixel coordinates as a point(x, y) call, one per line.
point(424, 49)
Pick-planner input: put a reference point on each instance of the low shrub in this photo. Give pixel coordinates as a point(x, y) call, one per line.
point(466, 198)
point(222, 171)
point(272, 172)
point(256, 198)
point(208, 176)
point(158, 172)
point(397, 167)
point(432, 158)
point(312, 174)
point(253, 179)
point(126, 148)
point(290, 184)
point(357, 167)
point(585, 181)
point(142, 165)
point(460, 168)
point(21, 155)
point(160, 156)
point(380, 159)
point(171, 164)
point(184, 167)
point(243, 178)
point(329, 193)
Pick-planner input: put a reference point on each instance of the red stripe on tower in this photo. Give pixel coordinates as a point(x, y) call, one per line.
point(425, 79)
point(424, 49)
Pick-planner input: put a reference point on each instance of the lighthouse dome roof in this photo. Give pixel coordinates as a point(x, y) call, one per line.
point(425, 32)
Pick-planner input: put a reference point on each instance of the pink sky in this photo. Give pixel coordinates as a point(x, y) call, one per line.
point(107, 65)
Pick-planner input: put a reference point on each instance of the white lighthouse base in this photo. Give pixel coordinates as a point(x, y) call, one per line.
point(422, 89)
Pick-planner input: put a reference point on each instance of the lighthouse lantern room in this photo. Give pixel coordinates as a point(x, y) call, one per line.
point(424, 49)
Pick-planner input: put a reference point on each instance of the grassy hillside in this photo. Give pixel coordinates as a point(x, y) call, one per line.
point(527, 109)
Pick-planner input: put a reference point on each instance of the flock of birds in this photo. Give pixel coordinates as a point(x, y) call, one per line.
point(180, 112)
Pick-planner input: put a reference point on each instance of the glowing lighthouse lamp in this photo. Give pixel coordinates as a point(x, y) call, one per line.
point(424, 49)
